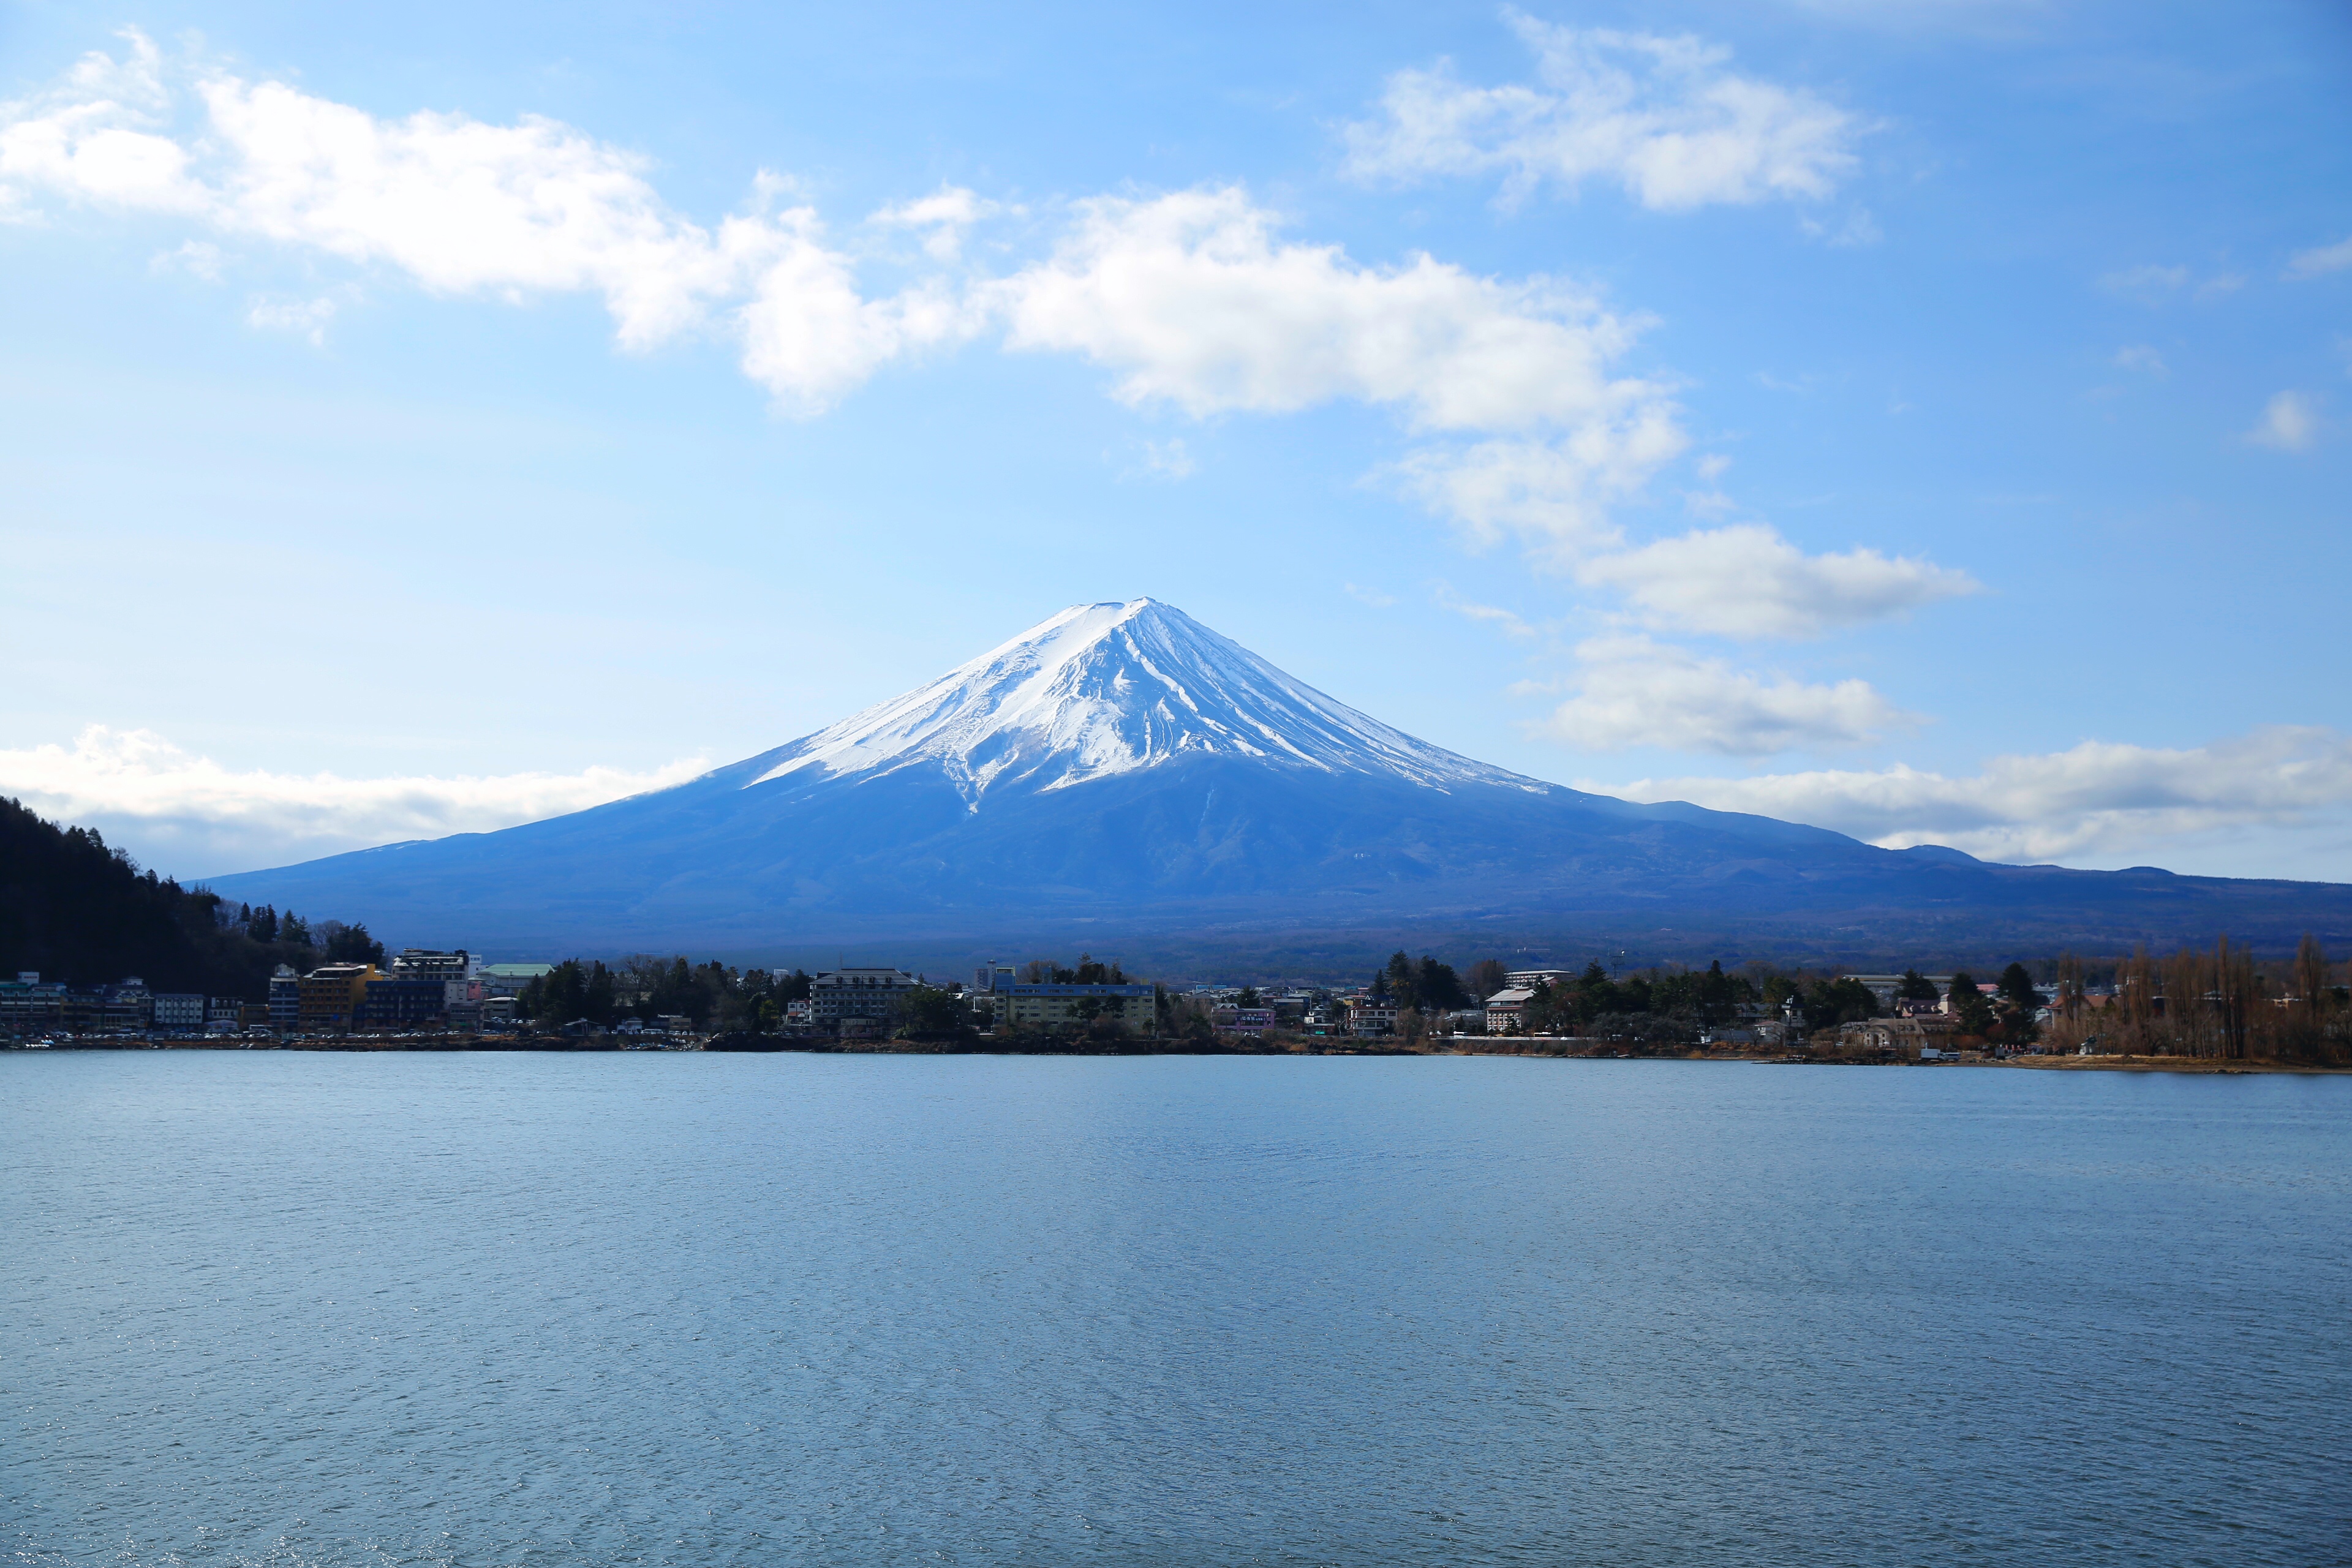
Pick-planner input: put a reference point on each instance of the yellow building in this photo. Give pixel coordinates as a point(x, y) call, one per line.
point(1046, 1007)
point(332, 993)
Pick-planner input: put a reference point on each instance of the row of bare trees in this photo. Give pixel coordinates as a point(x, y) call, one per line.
point(2217, 1004)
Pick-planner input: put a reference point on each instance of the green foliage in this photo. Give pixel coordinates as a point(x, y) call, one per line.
point(1089, 972)
point(1680, 999)
point(570, 993)
point(350, 944)
point(1428, 986)
point(1970, 1011)
point(1829, 1003)
point(711, 997)
point(1915, 987)
point(928, 1011)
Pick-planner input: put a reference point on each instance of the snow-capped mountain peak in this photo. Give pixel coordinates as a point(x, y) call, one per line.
point(1108, 688)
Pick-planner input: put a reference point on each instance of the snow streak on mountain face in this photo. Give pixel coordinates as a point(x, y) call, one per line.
point(1108, 688)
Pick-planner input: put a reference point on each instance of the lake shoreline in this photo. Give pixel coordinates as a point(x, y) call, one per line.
point(442, 1046)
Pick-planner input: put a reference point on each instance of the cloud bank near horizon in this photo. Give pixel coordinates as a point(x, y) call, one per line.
point(143, 791)
point(2098, 800)
point(2101, 801)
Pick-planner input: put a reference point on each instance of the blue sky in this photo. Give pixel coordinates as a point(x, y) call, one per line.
point(1931, 420)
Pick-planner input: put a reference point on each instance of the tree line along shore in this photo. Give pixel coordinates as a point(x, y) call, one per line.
point(75, 908)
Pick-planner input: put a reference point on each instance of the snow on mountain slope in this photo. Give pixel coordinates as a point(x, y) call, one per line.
point(1100, 690)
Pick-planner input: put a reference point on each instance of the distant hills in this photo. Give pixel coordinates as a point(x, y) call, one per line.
point(1122, 777)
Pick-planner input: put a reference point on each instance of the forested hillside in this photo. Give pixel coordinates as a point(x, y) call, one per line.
point(76, 910)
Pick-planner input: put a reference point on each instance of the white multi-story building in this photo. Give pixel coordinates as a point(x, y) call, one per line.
point(1505, 1006)
point(177, 1010)
point(839, 995)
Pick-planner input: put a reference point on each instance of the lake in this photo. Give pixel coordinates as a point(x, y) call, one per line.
point(284, 1308)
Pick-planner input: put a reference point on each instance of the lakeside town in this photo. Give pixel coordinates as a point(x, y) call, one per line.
point(2193, 1006)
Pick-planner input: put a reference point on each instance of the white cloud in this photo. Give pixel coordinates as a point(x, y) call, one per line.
point(2147, 283)
point(2150, 284)
point(97, 135)
point(2143, 358)
point(2097, 799)
point(1555, 496)
point(1632, 691)
point(304, 318)
point(140, 788)
point(463, 208)
point(2289, 424)
point(1192, 299)
point(1857, 228)
point(2320, 259)
point(942, 218)
point(197, 258)
point(1168, 460)
point(1509, 622)
point(1371, 596)
point(1746, 581)
point(1663, 116)
point(1193, 302)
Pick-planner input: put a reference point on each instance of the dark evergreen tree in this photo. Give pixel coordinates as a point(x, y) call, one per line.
point(1969, 1010)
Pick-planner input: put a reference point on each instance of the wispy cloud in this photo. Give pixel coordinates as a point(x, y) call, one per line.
point(1506, 621)
point(942, 218)
point(2152, 284)
point(2147, 283)
point(305, 318)
point(1666, 118)
point(1168, 460)
point(2289, 424)
point(2320, 259)
point(196, 258)
point(2097, 798)
point(199, 818)
point(2142, 358)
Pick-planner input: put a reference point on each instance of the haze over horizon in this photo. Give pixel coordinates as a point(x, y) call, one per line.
point(1925, 422)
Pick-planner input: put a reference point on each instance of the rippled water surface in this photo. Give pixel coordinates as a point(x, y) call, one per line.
point(486, 1310)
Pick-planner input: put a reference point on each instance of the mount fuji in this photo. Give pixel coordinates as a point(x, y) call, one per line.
point(1120, 775)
